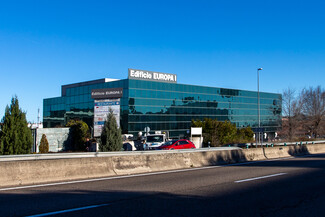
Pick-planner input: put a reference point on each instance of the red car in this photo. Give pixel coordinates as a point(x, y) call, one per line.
point(177, 144)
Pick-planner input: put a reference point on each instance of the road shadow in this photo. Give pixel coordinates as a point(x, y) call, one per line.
point(298, 150)
point(222, 157)
point(243, 155)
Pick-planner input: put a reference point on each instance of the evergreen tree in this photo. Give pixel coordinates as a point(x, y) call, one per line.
point(1, 144)
point(226, 133)
point(79, 132)
point(44, 146)
point(15, 136)
point(245, 135)
point(111, 137)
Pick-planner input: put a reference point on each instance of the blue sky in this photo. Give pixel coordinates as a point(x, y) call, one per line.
point(220, 43)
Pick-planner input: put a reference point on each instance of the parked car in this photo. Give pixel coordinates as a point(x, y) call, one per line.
point(177, 144)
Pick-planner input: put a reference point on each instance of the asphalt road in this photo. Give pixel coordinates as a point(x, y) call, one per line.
point(286, 187)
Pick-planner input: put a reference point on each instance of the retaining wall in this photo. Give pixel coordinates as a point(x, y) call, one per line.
point(55, 136)
point(26, 172)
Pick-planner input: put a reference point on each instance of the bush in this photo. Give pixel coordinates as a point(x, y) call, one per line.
point(79, 132)
point(245, 135)
point(226, 133)
point(44, 146)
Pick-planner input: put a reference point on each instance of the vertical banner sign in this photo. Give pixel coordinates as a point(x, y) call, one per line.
point(101, 111)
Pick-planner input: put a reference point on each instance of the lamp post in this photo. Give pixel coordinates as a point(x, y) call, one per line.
point(258, 105)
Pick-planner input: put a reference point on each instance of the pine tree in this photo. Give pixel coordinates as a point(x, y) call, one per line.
point(111, 137)
point(15, 136)
point(44, 146)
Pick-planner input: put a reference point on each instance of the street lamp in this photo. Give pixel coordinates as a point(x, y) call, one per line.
point(258, 105)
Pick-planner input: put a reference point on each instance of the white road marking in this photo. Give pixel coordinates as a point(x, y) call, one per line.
point(137, 175)
point(68, 210)
point(261, 177)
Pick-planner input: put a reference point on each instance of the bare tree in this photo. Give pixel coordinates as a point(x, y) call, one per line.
point(313, 108)
point(291, 110)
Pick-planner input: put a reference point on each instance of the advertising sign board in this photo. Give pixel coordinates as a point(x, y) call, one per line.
point(101, 110)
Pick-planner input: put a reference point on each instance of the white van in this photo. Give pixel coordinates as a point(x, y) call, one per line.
point(154, 141)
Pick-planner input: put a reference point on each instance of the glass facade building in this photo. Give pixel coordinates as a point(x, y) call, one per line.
point(166, 106)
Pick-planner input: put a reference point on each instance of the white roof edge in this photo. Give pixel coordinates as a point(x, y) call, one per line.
point(111, 79)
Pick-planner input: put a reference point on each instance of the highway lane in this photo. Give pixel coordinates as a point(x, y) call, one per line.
point(286, 187)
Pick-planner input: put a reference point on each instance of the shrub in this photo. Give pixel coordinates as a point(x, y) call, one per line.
point(44, 145)
point(245, 135)
point(79, 132)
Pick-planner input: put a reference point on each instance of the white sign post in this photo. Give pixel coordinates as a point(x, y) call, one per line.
point(146, 130)
point(197, 133)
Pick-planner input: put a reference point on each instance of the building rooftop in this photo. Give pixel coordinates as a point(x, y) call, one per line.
point(85, 83)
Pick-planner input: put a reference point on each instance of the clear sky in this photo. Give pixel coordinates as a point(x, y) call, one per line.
point(219, 43)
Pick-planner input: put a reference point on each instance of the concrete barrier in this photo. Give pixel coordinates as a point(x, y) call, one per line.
point(34, 172)
point(254, 154)
point(26, 172)
point(294, 150)
point(277, 152)
point(316, 148)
